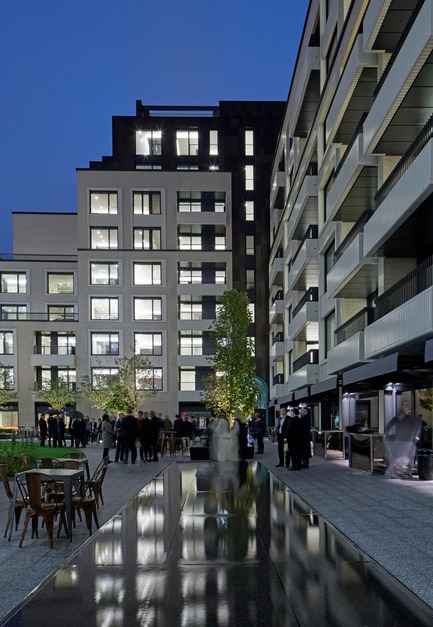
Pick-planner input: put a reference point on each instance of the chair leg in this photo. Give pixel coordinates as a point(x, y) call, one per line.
point(26, 522)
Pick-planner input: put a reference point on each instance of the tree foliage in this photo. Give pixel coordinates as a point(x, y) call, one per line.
point(131, 386)
point(426, 398)
point(58, 393)
point(7, 387)
point(232, 383)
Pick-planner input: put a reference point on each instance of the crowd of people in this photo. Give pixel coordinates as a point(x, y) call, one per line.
point(293, 437)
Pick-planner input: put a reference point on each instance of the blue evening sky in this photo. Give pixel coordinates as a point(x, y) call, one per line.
point(67, 67)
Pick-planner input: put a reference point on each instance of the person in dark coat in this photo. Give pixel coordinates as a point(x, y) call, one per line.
point(156, 429)
point(305, 446)
point(259, 429)
point(293, 435)
point(61, 430)
point(119, 432)
point(43, 429)
point(147, 437)
point(130, 426)
point(52, 430)
point(281, 429)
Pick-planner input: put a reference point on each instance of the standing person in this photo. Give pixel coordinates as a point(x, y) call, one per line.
point(52, 430)
point(186, 432)
point(156, 429)
point(147, 438)
point(73, 431)
point(43, 429)
point(107, 436)
point(130, 426)
point(259, 428)
point(168, 425)
point(61, 430)
point(119, 431)
point(280, 439)
point(293, 435)
point(93, 430)
point(240, 432)
point(82, 432)
point(402, 435)
point(305, 446)
point(139, 419)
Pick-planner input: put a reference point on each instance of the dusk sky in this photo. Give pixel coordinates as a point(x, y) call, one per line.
point(67, 68)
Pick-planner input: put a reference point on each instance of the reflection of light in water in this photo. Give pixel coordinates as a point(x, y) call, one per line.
point(67, 578)
point(150, 549)
point(313, 540)
point(193, 586)
point(108, 588)
point(109, 617)
point(108, 553)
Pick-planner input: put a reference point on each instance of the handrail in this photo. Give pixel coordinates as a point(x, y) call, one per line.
point(310, 357)
point(310, 296)
point(355, 324)
point(356, 134)
point(354, 231)
point(312, 232)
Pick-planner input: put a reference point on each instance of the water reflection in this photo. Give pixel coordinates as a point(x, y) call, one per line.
point(219, 544)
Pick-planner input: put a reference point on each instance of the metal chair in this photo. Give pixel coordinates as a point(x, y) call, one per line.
point(20, 504)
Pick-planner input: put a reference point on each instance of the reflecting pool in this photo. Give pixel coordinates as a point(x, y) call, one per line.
point(219, 544)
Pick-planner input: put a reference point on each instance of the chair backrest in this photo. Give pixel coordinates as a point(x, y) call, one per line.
point(72, 464)
point(77, 455)
point(5, 479)
point(33, 480)
point(28, 461)
point(48, 462)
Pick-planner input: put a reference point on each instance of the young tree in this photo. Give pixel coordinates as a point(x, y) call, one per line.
point(58, 393)
point(130, 387)
point(7, 386)
point(232, 383)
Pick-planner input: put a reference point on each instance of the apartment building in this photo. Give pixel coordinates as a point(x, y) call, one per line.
point(351, 294)
point(175, 216)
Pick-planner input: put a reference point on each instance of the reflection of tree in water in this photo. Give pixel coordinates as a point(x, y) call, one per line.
point(228, 531)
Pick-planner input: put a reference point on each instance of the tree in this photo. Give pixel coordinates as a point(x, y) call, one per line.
point(58, 394)
point(7, 386)
point(232, 384)
point(131, 386)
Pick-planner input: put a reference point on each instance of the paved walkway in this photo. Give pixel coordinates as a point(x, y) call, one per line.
point(390, 520)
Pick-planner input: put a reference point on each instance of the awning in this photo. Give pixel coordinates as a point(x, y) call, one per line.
point(428, 351)
point(324, 386)
point(376, 368)
point(302, 393)
point(287, 398)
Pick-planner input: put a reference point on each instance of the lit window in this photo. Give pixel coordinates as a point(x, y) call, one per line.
point(7, 379)
point(13, 312)
point(249, 244)
point(6, 343)
point(189, 276)
point(249, 279)
point(105, 343)
point(187, 143)
point(249, 143)
point(148, 143)
point(249, 177)
point(104, 273)
point(147, 203)
point(190, 343)
point(220, 242)
point(45, 376)
point(220, 277)
point(54, 343)
point(190, 237)
point(149, 379)
point(252, 310)
point(102, 377)
point(147, 309)
point(103, 202)
point(190, 308)
point(104, 308)
point(329, 332)
point(13, 282)
point(61, 312)
point(148, 343)
point(187, 379)
point(103, 238)
point(249, 210)
point(147, 239)
point(147, 274)
point(213, 143)
point(60, 283)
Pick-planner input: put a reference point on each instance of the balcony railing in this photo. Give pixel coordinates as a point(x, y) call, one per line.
point(357, 228)
point(398, 46)
point(278, 379)
point(356, 133)
point(310, 296)
point(418, 144)
point(311, 233)
point(278, 296)
point(417, 281)
point(357, 323)
point(277, 337)
point(53, 350)
point(33, 316)
point(310, 357)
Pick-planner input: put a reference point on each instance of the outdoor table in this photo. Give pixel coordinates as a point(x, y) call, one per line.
point(83, 460)
point(67, 477)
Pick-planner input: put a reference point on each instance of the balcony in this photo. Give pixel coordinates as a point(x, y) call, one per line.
point(347, 354)
point(303, 268)
point(354, 94)
point(403, 95)
point(353, 275)
point(355, 185)
point(276, 272)
point(403, 203)
point(53, 356)
point(276, 313)
point(304, 211)
point(278, 347)
point(278, 191)
point(305, 375)
point(277, 387)
point(308, 358)
point(305, 90)
point(304, 326)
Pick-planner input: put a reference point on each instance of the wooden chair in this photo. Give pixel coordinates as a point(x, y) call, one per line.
point(94, 484)
point(84, 502)
point(28, 461)
point(48, 462)
point(77, 455)
point(30, 486)
point(20, 503)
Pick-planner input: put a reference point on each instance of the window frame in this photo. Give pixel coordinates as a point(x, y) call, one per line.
point(110, 300)
point(154, 300)
point(154, 234)
point(20, 289)
point(60, 274)
point(154, 208)
point(111, 342)
point(110, 240)
point(154, 266)
point(109, 265)
point(109, 194)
